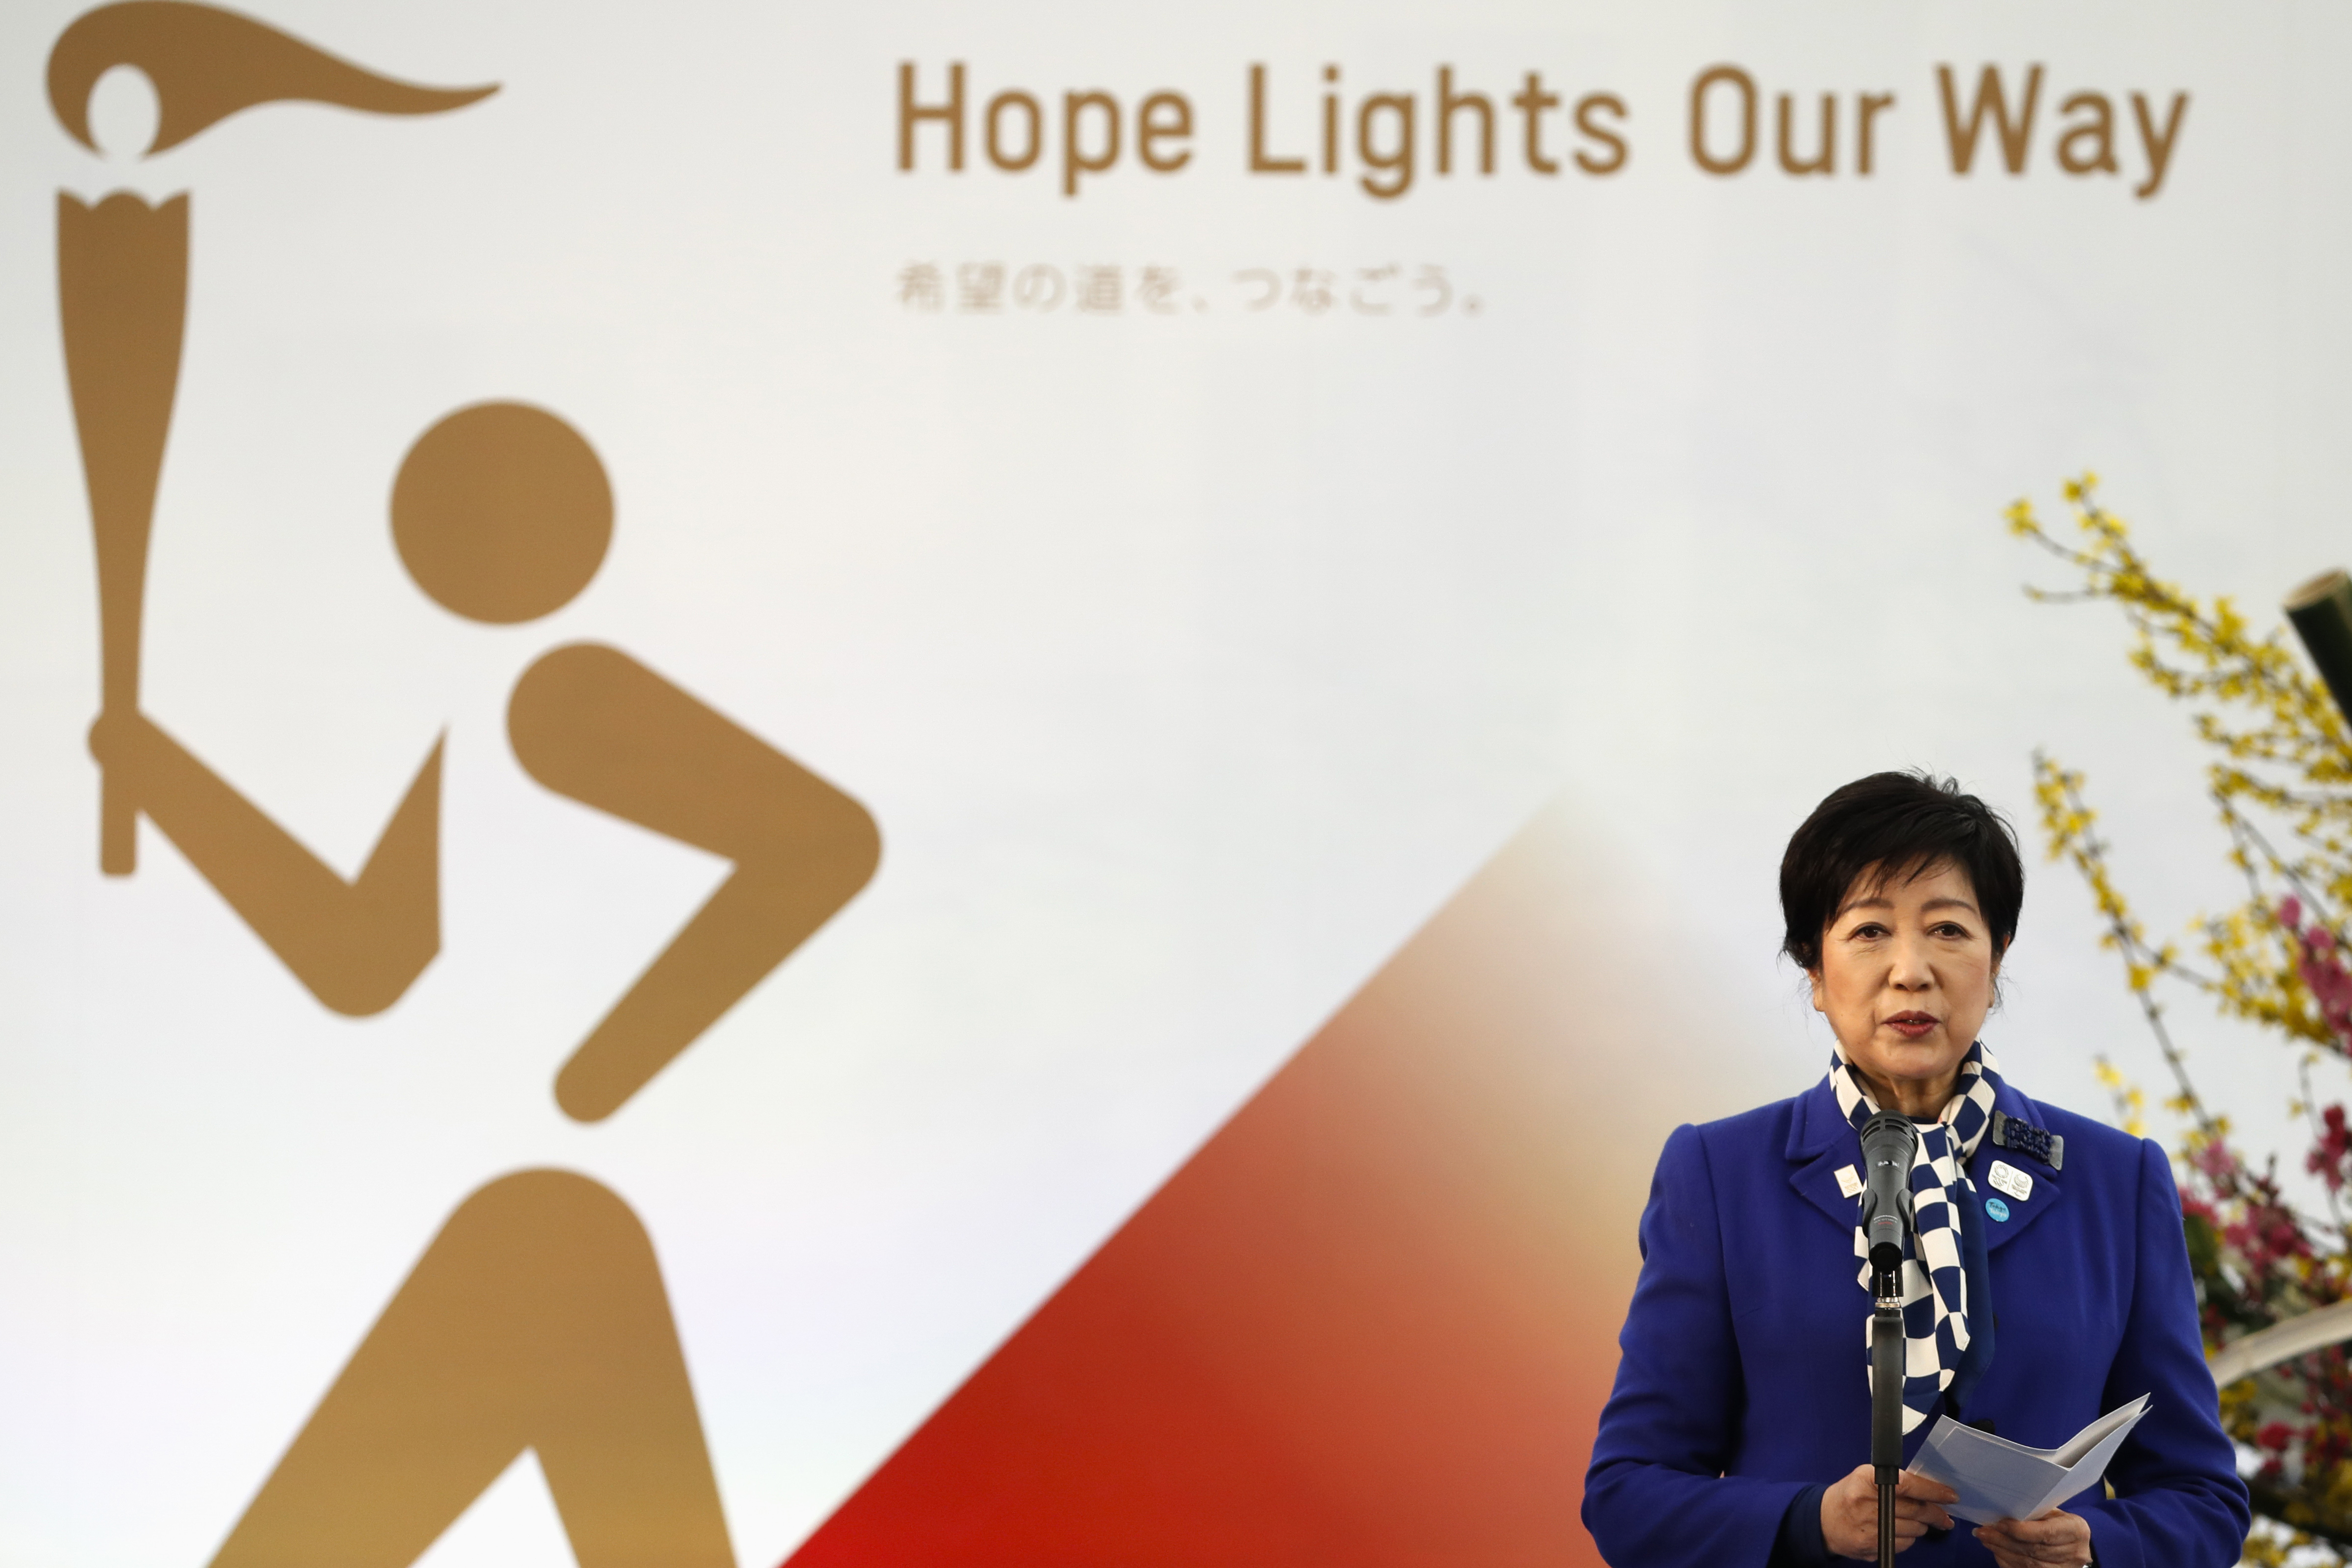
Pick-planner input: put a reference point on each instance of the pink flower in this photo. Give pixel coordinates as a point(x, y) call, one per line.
point(2332, 1150)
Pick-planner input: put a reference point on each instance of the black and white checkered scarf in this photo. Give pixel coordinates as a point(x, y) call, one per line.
point(1934, 1285)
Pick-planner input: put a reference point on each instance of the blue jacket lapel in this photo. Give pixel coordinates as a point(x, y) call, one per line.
point(1820, 1141)
point(2022, 1212)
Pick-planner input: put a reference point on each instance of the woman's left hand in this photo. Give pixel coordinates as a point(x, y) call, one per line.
point(2056, 1540)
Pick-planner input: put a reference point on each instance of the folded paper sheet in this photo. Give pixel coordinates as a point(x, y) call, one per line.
point(2000, 1479)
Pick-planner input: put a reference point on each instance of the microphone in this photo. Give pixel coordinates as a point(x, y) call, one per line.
point(1889, 1140)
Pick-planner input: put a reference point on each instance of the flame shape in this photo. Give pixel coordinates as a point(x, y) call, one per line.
point(206, 64)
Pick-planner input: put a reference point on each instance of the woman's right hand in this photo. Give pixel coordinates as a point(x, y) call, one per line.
point(1850, 1512)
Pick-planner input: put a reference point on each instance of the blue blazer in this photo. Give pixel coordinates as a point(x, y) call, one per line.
point(1744, 1380)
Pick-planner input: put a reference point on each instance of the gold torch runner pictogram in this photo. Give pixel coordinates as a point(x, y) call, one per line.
point(536, 1318)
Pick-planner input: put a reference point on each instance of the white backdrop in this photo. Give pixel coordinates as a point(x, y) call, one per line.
point(1187, 661)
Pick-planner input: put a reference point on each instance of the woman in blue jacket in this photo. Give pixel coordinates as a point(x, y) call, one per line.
point(2048, 1283)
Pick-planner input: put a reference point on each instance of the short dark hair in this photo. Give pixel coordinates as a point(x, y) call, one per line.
point(1900, 824)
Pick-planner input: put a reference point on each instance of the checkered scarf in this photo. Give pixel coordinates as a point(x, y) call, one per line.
point(1935, 1287)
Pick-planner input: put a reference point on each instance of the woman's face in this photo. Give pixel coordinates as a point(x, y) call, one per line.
point(1906, 981)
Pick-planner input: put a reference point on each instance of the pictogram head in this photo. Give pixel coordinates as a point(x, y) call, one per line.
point(501, 512)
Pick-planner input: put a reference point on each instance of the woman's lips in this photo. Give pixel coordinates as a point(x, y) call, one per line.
point(1911, 1025)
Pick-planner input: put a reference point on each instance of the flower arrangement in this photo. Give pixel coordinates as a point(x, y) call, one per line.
point(2280, 776)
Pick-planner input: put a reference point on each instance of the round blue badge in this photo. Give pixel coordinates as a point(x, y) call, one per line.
point(1995, 1207)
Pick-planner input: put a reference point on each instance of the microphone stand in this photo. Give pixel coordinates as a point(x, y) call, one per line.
point(1886, 1358)
point(1889, 1142)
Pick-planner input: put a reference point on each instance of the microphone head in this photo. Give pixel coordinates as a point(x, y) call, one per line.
point(1889, 1135)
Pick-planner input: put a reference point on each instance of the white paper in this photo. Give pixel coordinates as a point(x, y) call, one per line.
point(2000, 1479)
